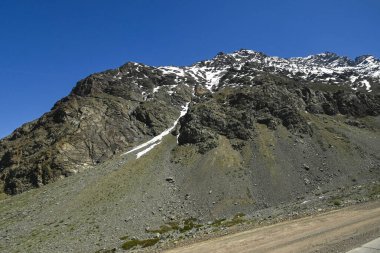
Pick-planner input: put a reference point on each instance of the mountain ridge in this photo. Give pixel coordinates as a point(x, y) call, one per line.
point(337, 67)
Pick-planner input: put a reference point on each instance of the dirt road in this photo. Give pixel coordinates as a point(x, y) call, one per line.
point(337, 231)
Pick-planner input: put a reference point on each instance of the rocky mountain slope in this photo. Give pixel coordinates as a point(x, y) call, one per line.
point(110, 112)
point(162, 153)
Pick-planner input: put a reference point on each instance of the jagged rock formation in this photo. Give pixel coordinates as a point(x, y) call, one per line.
point(108, 113)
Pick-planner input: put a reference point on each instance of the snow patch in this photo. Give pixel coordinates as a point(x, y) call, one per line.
point(212, 79)
point(155, 89)
point(157, 139)
point(366, 84)
point(353, 78)
point(167, 70)
point(141, 153)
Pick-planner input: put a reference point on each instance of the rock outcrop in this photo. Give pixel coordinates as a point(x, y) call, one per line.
point(102, 117)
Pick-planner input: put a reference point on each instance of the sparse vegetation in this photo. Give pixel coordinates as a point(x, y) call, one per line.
point(142, 243)
point(336, 202)
point(189, 224)
point(237, 219)
point(218, 222)
point(163, 229)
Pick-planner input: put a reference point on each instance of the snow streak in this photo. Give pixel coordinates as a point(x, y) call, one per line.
point(157, 139)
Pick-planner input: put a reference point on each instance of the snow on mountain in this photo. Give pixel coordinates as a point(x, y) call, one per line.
point(329, 68)
point(150, 144)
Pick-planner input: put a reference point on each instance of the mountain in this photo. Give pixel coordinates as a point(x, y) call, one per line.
point(109, 112)
point(240, 133)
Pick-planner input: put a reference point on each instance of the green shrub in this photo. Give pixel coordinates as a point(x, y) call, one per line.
point(142, 243)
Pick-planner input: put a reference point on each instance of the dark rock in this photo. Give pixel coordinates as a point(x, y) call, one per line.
point(170, 180)
point(355, 123)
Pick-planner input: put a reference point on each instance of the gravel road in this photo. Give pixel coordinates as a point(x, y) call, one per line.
point(336, 231)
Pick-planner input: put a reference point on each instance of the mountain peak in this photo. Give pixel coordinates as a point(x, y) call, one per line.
point(327, 54)
point(366, 59)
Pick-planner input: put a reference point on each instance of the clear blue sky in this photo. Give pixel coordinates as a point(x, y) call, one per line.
point(46, 46)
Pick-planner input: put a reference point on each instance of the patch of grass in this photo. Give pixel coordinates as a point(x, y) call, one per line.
point(163, 229)
point(174, 225)
point(336, 202)
point(189, 224)
point(142, 243)
point(237, 219)
point(218, 222)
